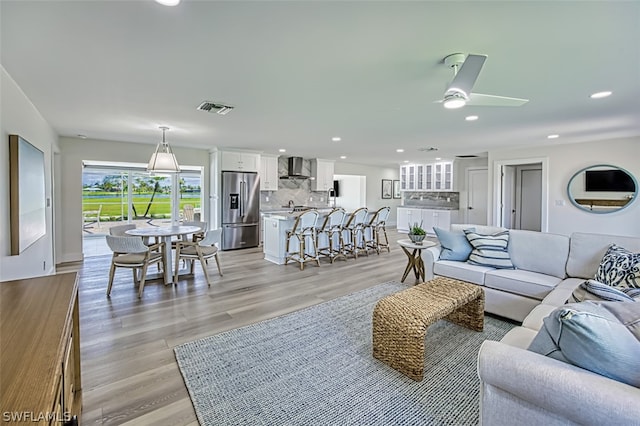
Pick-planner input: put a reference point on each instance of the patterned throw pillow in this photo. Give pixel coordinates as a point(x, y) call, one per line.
point(619, 268)
point(594, 290)
point(489, 250)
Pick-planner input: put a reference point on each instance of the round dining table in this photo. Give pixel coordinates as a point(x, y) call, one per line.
point(165, 233)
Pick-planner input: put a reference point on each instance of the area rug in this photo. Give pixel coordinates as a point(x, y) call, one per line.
point(315, 367)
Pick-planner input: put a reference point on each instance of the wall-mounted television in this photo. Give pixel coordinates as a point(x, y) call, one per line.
point(608, 181)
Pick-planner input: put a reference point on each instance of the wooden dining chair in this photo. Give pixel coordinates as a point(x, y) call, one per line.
point(201, 250)
point(131, 252)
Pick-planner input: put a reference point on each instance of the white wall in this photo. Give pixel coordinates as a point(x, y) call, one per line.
point(374, 177)
point(20, 117)
point(563, 162)
point(73, 151)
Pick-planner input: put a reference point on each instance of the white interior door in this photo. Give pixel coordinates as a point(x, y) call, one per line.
point(528, 197)
point(477, 193)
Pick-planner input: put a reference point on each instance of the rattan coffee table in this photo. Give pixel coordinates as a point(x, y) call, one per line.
point(400, 320)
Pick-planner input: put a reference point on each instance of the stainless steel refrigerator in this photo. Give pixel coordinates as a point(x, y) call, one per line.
point(240, 210)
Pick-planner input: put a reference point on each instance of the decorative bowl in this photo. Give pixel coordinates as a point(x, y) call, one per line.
point(416, 239)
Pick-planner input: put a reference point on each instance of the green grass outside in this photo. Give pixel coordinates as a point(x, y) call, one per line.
point(112, 208)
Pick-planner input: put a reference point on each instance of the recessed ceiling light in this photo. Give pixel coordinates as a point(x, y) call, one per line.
point(438, 158)
point(406, 161)
point(336, 138)
point(600, 95)
point(399, 150)
point(282, 150)
point(342, 157)
point(168, 2)
point(471, 118)
point(553, 136)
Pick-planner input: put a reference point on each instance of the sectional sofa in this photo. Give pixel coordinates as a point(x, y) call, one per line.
point(521, 387)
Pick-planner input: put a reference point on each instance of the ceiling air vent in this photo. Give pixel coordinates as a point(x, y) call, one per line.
point(214, 107)
point(467, 156)
point(429, 149)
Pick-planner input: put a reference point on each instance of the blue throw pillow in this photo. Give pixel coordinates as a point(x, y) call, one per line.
point(603, 337)
point(455, 245)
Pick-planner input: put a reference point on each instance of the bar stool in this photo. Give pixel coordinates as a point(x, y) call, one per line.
point(330, 233)
point(376, 227)
point(303, 235)
point(354, 232)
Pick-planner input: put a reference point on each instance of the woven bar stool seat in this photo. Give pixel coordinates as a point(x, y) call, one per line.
point(329, 241)
point(400, 320)
point(301, 239)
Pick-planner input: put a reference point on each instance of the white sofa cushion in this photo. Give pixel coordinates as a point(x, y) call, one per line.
point(562, 292)
point(534, 320)
point(524, 283)
point(461, 271)
point(586, 251)
point(539, 252)
point(519, 337)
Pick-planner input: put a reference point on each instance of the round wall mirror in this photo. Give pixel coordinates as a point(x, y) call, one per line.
point(602, 189)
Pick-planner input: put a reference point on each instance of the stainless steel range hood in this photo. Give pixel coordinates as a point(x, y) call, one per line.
point(294, 171)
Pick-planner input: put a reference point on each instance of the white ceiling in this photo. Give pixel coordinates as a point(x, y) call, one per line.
point(299, 73)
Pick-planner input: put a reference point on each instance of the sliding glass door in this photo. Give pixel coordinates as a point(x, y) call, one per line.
point(118, 193)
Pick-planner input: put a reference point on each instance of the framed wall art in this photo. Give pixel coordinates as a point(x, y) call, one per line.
point(387, 189)
point(27, 209)
point(396, 189)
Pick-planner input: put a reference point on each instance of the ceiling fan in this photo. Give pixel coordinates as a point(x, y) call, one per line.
point(466, 69)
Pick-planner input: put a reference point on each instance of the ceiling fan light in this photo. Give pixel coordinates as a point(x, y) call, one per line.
point(454, 102)
point(168, 2)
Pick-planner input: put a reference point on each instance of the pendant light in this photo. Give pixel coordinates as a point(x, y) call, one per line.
point(163, 159)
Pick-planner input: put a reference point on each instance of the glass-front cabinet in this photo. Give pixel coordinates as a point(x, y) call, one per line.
point(427, 177)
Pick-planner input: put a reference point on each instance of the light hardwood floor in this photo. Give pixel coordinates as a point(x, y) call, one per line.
point(129, 372)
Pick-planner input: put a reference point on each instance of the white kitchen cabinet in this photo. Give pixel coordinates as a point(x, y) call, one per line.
point(427, 177)
point(239, 161)
point(408, 216)
point(403, 177)
point(322, 174)
point(443, 176)
point(269, 173)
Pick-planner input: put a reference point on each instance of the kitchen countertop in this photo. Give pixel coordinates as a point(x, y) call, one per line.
point(428, 208)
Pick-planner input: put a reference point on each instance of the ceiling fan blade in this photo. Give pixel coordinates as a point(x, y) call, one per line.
point(467, 74)
point(478, 99)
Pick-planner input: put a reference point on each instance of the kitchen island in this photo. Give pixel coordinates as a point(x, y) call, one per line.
point(275, 227)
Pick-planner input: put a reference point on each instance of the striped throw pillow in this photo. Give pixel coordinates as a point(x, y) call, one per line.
point(489, 250)
point(594, 290)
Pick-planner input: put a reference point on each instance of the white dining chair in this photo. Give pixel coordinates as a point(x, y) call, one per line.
point(131, 252)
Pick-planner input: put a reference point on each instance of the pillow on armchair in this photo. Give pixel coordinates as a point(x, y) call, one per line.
point(603, 337)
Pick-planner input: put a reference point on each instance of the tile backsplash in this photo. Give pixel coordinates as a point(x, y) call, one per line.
point(296, 190)
point(434, 199)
